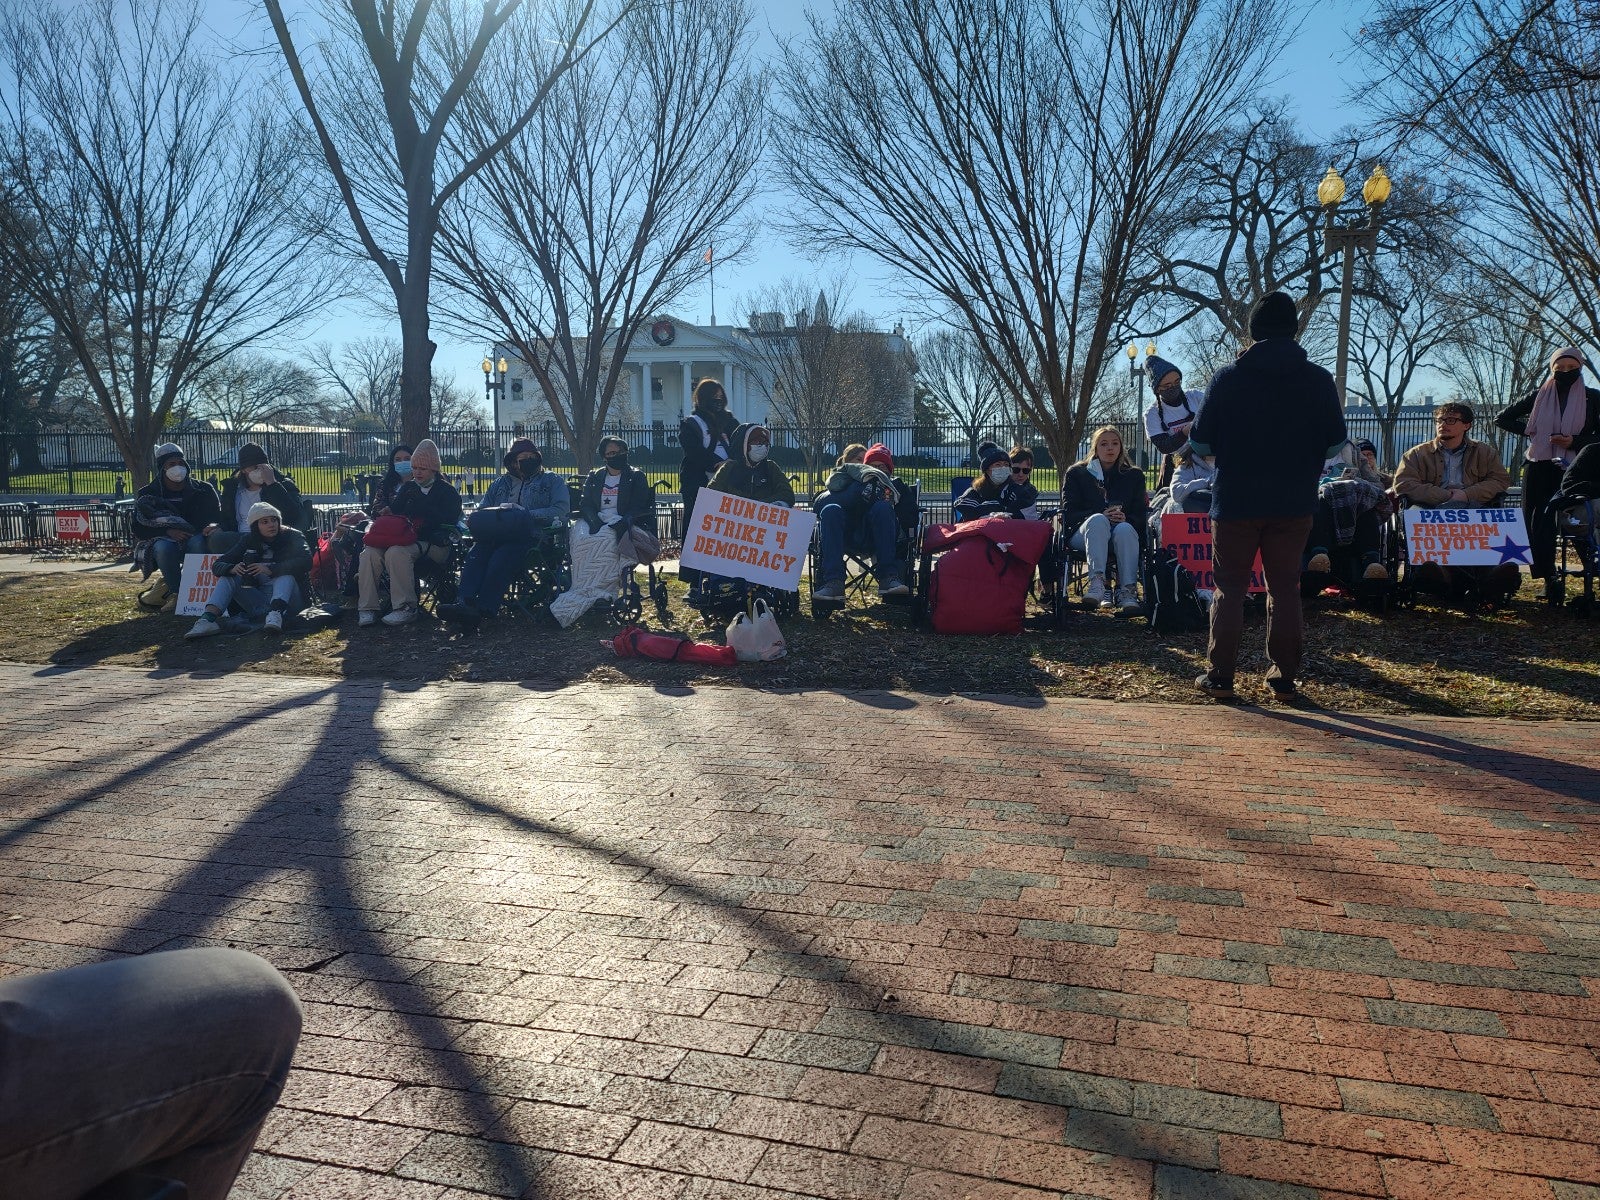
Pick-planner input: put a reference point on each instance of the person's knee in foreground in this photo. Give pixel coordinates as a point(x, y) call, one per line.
point(1270, 421)
point(163, 1065)
point(1104, 506)
point(1455, 469)
point(860, 498)
point(261, 574)
point(172, 514)
point(434, 506)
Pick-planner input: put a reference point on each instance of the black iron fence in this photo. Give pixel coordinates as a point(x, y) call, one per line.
point(328, 462)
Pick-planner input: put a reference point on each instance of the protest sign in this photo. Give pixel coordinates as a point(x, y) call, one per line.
point(1188, 536)
point(72, 525)
point(1466, 537)
point(194, 591)
point(760, 543)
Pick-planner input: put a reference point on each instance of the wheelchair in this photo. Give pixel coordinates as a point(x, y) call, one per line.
point(546, 572)
point(719, 597)
point(911, 521)
point(1577, 556)
point(1346, 578)
point(1072, 566)
point(1469, 587)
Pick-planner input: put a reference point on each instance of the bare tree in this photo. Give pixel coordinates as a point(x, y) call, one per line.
point(602, 211)
point(953, 367)
point(825, 378)
point(255, 389)
point(1500, 92)
point(150, 193)
point(1013, 158)
point(385, 94)
point(364, 379)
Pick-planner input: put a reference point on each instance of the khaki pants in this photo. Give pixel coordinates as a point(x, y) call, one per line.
point(1234, 544)
point(401, 563)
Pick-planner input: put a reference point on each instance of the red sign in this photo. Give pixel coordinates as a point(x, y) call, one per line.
point(1188, 536)
point(72, 525)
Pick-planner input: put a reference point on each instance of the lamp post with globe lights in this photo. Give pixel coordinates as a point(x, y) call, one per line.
point(494, 390)
point(1350, 238)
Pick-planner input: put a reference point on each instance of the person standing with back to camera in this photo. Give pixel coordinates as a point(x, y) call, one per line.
point(704, 437)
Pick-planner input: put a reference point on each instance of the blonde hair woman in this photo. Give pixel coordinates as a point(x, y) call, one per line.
point(1103, 509)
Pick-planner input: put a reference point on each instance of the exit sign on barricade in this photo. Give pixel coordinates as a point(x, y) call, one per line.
point(72, 525)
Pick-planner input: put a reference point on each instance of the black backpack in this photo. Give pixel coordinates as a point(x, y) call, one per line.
point(1171, 604)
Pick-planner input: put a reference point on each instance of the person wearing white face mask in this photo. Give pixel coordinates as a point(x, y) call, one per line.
point(752, 475)
point(986, 498)
point(254, 482)
point(172, 514)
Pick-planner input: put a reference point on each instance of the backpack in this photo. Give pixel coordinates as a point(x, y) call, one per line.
point(1171, 603)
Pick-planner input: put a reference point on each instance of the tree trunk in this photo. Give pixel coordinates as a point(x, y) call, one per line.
point(416, 347)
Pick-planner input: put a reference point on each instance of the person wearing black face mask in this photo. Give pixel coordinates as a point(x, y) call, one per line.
point(526, 488)
point(619, 497)
point(1559, 418)
point(704, 437)
point(1171, 414)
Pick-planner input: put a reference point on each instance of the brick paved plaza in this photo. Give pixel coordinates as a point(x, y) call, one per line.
point(614, 942)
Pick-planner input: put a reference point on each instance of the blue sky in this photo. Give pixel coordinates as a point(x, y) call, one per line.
point(1315, 74)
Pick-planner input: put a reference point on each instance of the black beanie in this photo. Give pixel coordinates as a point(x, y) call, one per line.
point(251, 455)
point(1274, 317)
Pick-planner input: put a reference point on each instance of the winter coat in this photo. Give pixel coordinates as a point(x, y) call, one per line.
point(1010, 499)
point(765, 482)
point(636, 500)
point(438, 510)
point(160, 513)
point(1422, 468)
point(286, 554)
point(1270, 420)
point(1515, 419)
point(281, 493)
point(1082, 495)
point(545, 496)
point(702, 435)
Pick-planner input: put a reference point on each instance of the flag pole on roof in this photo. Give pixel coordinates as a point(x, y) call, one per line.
point(711, 259)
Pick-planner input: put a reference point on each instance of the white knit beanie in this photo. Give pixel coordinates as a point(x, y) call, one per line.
point(261, 509)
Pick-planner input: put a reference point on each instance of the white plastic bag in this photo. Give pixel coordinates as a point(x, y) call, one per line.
point(756, 638)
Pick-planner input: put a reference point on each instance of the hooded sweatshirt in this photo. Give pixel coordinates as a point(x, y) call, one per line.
point(763, 482)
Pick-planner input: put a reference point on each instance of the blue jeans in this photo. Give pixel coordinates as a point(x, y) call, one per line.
point(488, 572)
point(166, 1062)
point(169, 554)
point(1097, 536)
point(253, 599)
point(878, 526)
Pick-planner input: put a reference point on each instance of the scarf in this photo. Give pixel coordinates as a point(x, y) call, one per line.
point(1549, 417)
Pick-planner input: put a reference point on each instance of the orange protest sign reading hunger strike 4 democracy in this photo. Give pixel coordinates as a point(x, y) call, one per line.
point(760, 543)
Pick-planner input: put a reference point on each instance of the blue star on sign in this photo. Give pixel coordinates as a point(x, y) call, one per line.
point(1510, 551)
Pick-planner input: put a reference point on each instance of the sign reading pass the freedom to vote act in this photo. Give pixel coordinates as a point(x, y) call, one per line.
point(760, 543)
point(1466, 537)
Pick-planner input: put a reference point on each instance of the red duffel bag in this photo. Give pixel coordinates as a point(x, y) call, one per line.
point(634, 642)
point(980, 581)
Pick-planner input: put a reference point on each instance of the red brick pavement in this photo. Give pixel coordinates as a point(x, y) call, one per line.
point(606, 942)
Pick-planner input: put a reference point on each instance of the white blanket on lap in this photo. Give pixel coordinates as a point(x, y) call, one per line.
point(596, 573)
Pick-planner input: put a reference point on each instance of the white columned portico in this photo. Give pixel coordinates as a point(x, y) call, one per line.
point(688, 389)
point(644, 394)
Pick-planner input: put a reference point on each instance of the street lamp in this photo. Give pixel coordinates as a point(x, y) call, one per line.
point(1133, 368)
point(1350, 238)
point(495, 390)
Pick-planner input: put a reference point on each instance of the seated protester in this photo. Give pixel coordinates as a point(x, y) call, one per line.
point(1104, 507)
point(1581, 481)
point(1190, 489)
point(1351, 498)
point(254, 482)
point(986, 498)
point(434, 506)
point(620, 498)
point(861, 499)
point(172, 516)
point(1171, 414)
point(1019, 496)
point(261, 574)
point(1453, 469)
point(853, 453)
point(493, 563)
point(1369, 456)
point(398, 473)
point(749, 473)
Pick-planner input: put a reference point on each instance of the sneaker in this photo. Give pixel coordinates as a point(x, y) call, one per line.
point(891, 586)
point(1096, 594)
point(274, 622)
point(169, 605)
point(205, 627)
point(367, 617)
point(832, 590)
point(463, 615)
point(1128, 599)
point(1283, 689)
point(1319, 564)
point(157, 594)
point(402, 616)
point(1210, 687)
point(1375, 572)
point(1433, 578)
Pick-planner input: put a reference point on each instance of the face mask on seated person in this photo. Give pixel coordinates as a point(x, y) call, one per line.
point(260, 476)
point(178, 473)
point(758, 453)
point(528, 467)
point(403, 468)
point(617, 461)
point(999, 475)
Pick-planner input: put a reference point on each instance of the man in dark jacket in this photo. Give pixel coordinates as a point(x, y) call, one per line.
point(255, 481)
point(752, 475)
point(172, 514)
point(704, 437)
point(1270, 420)
point(261, 574)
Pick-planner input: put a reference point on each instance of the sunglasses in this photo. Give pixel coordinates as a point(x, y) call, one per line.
point(1022, 470)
